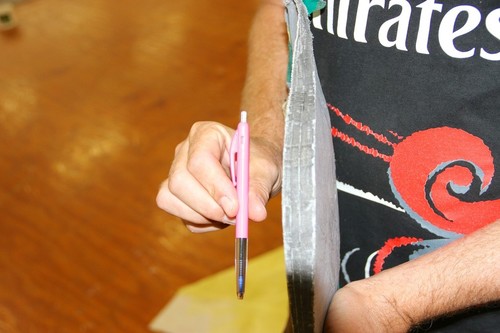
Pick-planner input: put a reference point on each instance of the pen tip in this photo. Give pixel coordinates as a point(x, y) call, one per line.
point(240, 295)
point(243, 118)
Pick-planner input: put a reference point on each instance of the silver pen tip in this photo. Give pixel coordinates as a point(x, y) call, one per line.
point(240, 295)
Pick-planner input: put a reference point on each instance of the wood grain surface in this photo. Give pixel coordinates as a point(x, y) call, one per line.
point(94, 97)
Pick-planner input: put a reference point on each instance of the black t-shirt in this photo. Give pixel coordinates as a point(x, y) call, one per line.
point(413, 89)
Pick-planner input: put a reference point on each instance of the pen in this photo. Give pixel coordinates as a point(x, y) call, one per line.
point(239, 154)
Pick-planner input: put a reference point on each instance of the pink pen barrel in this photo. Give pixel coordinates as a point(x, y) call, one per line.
point(240, 158)
point(242, 176)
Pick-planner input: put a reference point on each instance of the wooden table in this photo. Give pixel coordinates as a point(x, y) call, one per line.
point(94, 96)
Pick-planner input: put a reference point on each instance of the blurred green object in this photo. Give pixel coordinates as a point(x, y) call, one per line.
point(313, 5)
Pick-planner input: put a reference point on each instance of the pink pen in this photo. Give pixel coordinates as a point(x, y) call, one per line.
point(240, 157)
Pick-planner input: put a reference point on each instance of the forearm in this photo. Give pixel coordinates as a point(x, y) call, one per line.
point(456, 277)
point(265, 87)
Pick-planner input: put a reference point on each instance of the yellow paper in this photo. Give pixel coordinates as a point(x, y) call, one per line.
point(210, 305)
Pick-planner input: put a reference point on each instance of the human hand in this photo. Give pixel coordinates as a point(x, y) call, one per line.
point(199, 189)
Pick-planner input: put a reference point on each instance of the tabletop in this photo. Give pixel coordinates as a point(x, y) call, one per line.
point(94, 97)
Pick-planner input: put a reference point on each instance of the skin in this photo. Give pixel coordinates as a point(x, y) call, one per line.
point(456, 277)
point(198, 189)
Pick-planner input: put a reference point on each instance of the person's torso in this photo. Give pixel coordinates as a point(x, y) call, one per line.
point(413, 89)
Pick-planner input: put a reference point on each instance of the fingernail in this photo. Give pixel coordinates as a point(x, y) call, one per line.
point(228, 220)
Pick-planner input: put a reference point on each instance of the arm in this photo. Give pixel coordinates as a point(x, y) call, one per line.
point(265, 88)
point(198, 188)
point(454, 278)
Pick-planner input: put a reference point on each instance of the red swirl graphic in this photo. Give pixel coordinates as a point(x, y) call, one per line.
point(428, 165)
point(438, 175)
point(389, 247)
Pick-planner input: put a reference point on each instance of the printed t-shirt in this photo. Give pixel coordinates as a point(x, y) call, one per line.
point(413, 89)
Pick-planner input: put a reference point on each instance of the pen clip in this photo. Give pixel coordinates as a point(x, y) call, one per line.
point(233, 156)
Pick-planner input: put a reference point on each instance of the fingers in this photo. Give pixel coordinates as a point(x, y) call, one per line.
point(190, 198)
point(199, 189)
point(167, 201)
point(193, 221)
point(208, 162)
point(202, 228)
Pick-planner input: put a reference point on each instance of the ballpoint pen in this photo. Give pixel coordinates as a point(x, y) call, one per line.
point(240, 157)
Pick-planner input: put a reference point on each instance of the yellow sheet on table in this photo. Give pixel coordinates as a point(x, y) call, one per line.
point(210, 305)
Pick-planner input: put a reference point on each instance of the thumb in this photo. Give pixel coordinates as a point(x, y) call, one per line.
point(265, 178)
point(262, 187)
point(257, 200)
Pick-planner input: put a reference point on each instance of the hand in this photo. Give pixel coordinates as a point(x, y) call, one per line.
point(199, 189)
